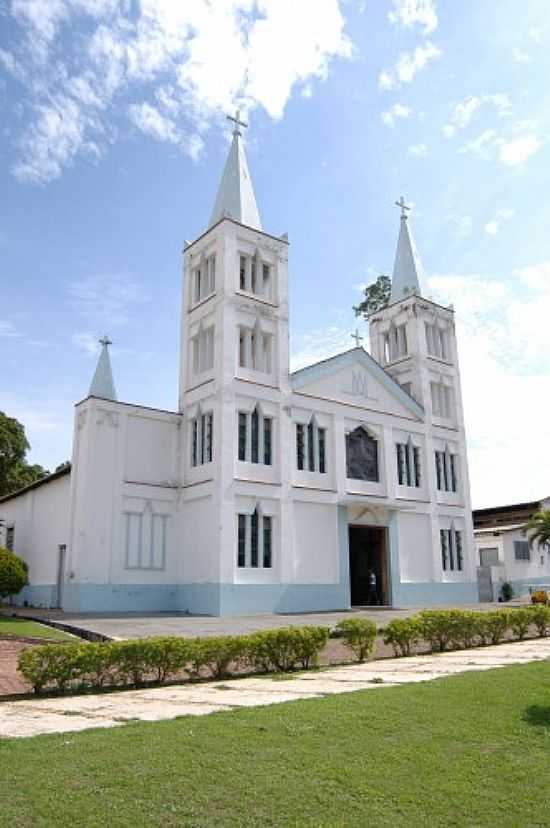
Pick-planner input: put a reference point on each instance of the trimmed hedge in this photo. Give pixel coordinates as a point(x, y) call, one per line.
point(134, 662)
point(403, 634)
point(359, 635)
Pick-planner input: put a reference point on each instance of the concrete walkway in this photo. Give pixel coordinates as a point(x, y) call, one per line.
point(142, 625)
point(61, 715)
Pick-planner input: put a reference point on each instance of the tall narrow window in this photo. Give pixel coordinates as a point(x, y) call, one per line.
point(266, 281)
point(242, 435)
point(201, 439)
point(408, 464)
point(255, 275)
point(300, 446)
point(254, 540)
point(204, 279)
point(254, 437)
point(458, 546)
point(241, 542)
point(10, 538)
point(444, 536)
point(203, 350)
point(267, 541)
point(311, 452)
point(446, 471)
point(441, 399)
point(242, 272)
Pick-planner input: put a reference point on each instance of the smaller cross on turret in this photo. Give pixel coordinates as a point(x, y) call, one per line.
point(237, 121)
point(357, 337)
point(404, 207)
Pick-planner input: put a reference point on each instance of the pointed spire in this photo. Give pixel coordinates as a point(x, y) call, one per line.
point(408, 273)
point(235, 197)
point(103, 385)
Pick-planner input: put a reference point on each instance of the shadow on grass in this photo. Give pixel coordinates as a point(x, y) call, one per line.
point(537, 715)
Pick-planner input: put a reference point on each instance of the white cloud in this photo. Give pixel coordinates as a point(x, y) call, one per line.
point(462, 224)
point(397, 111)
point(519, 56)
point(86, 342)
point(503, 339)
point(511, 152)
point(418, 150)
point(464, 111)
point(492, 228)
point(83, 58)
point(410, 13)
point(518, 150)
point(408, 65)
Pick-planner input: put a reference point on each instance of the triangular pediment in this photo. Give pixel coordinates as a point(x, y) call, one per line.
point(355, 378)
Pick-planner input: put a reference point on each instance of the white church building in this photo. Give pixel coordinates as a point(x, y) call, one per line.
point(267, 491)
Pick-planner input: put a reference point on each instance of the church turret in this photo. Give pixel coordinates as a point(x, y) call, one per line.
point(407, 275)
point(236, 197)
point(103, 385)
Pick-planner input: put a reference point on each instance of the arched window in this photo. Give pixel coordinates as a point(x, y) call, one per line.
point(255, 540)
point(362, 455)
point(255, 433)
point(311, 447)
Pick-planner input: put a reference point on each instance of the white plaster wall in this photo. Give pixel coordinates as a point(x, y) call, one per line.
point(41, 521)
point(316, 545)
point(537, 567)
point(197, 547)
point(415, 547)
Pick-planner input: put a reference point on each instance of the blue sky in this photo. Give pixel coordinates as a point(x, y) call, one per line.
point(112, 142)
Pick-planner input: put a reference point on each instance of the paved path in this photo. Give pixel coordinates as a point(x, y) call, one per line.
point(140, 625)
point(30, 718)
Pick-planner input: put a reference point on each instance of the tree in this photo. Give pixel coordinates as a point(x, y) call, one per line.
point(13, 573)
point(537, 529)
point(15, 472)
point(375, 298)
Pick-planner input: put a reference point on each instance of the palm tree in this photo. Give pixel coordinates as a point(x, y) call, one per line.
point(537, 529)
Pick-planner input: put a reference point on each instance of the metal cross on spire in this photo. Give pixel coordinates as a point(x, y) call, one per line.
point(358, 338)
point(237, 121)
point(105, 341)
point(404, 207)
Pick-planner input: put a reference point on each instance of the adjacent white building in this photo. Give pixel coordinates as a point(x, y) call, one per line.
point(503, 553)
point(267, 491)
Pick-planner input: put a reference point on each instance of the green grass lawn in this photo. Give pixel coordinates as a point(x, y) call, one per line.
point(30, 629)
point(472, 750)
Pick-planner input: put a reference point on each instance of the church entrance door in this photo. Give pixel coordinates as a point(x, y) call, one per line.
point(368, 552)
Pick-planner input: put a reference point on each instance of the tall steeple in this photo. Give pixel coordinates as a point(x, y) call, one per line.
point(408, 273)
point(235, 197)
point(103, 385)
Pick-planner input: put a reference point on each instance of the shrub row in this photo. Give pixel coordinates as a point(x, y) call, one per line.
point(455, 629)
point(98, 665)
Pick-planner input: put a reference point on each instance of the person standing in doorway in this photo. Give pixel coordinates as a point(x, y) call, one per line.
point(372, 597)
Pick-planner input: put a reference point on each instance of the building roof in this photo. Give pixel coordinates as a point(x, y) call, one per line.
point(236, 197)
point(102, 383)
point(60, 472)
point(505, 517)
point(408, 273)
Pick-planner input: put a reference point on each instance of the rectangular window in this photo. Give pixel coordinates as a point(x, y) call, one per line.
point(458, 547)
point(267, 441)
point(441, 399)
point(300, 445)
point(204, 279)
point(522, 551)
point(10, 538)
point(266, 280)
point(203, 350)
point(311, 448)
point(201, 439)
point(254, 541)
point(255, 437)
point(444, 536)
point(145, 541)
point(241, 543)
point(446, 471)
point(436, 341)
point(254, 538)
point(255, 276)
point(242, 435)
point(408, 464)
point(267, 542)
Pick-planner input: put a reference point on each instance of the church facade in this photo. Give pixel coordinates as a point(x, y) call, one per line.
point(267, 491)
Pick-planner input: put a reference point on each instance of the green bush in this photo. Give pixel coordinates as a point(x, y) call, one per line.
point(465, 628)
point(438, 627)
point(359, 635)
point(286, 648)
point(218, 652)
point(520, 621)
point(402, 634)
point(13, 573)
point(507, 591)
point(540, 616)
point(495, 625)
